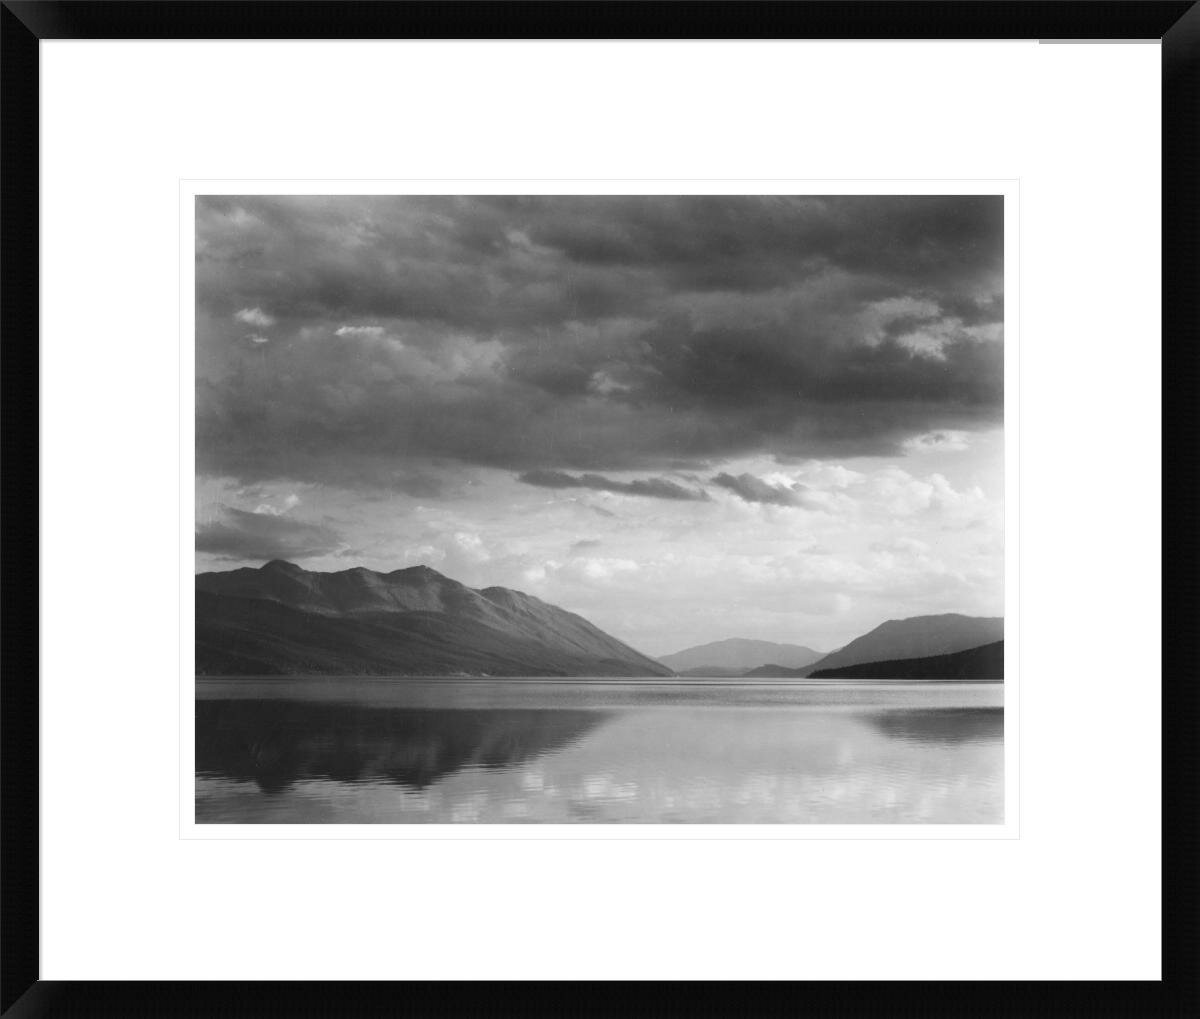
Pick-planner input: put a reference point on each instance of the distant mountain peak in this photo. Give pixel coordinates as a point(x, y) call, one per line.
point(283, 566)
point(419, 572)
point(737, 654)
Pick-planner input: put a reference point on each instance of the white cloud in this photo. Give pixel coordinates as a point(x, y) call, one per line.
point(938, 442)
point(931, 339)
point(534, 574)
point(372, 332)
point(472, 546)
point(603, 569)
point(579, 573)
point(902, 545)
point(895, 492)
point(255, 317)
point(470, 359)
point(820, 474)
point(602, 383)
point(290, 502)
point(874, 319)
point(412, 555)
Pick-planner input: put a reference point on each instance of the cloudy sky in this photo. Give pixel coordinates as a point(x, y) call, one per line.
point(685, 418)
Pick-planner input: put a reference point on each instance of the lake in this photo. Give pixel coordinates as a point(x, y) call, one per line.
point(597, 751)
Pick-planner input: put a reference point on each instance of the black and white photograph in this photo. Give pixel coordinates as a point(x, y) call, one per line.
point(607, 509)
point(685, 494)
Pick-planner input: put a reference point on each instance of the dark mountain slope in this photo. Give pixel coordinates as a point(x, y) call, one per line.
point(773, 672)
point(985, 662)
point(917, 637)
point(283, 620)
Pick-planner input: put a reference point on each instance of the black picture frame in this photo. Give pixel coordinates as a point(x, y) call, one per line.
point(24, 24)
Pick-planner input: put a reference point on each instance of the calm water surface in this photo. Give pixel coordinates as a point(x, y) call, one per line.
point(601, 751)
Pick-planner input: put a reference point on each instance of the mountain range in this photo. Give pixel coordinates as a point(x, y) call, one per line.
point(734, 656)
point(281, 619)
point(897, 649)
point(916, 637)
point(986, 662)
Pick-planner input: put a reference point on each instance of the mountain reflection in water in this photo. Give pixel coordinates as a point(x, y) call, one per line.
point(275, 743)
point(355, 751)
point(947, 725)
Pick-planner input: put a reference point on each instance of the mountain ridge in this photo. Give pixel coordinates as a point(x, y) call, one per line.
point(983, 663)
point(281, 619)
point(915, 637)
point(734, 655)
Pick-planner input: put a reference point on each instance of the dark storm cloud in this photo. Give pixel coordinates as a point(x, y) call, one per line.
point(740, 243)
point(753, 489)
point(654, 488)
point(340, 339)
point(241, 535)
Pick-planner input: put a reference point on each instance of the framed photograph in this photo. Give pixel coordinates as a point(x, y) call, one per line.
point(479, 477)
point(670, 495)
